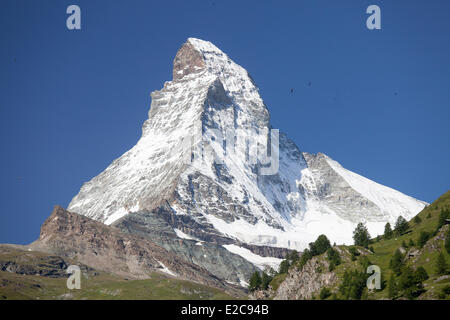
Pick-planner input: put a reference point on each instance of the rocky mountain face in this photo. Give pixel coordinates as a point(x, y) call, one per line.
point(108, 249)
point(303, 284)
point(213, 183)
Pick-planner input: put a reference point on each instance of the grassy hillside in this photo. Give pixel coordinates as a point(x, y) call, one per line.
point(437, 286)
point(427, 258)
point(15, 286)
point(23, 282)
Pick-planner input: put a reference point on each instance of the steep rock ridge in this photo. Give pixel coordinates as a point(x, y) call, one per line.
point(212, 110)
point(105, 248)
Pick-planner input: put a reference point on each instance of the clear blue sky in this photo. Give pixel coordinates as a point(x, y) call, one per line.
point(72, 101)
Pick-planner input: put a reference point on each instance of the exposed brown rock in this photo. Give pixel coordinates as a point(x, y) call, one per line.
point(188, 60)
point(261, 295)
point(106, 248)
point(302, 284)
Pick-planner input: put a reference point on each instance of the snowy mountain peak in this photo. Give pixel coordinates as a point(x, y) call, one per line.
point(197, 55)
point(204, 46)
point(232, 201)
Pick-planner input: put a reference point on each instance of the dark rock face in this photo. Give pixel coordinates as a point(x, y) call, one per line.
point(206, 251)
point(266, 251)
point(55, 268)
point(108, 249)
point(217, 97)
point(16, 259)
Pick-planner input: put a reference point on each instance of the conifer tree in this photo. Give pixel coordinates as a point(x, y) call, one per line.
point(387, 231)
point(442, 217)
point(320, 245)
point(408, 283)
point(284, 266)
point(420, 274)
point(361, 235)
point(265, 281)
point(397, 262)
point(392, 288)
point(447, 241)
point(255, 281)
point(333, 256)
point(293, 256)
point(423, 238)
point(441, 265)
point(401, 225)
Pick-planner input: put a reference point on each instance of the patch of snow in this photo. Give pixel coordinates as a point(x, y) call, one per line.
point(243, 283)
point(116, 216)
point(261, 262)
point(183, 235)
point(166, 270)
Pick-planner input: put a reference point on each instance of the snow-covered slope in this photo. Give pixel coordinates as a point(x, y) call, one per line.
point(261, 262)
point(212, 104)
point(386, 199)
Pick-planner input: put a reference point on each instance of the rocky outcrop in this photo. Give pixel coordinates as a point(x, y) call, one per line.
point(17, 259)
point(303, 284)
point(261, 294)
point(55, 268)
point(266, 251)
point(432, 245)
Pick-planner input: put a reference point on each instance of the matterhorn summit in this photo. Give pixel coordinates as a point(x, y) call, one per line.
point(210, 169)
